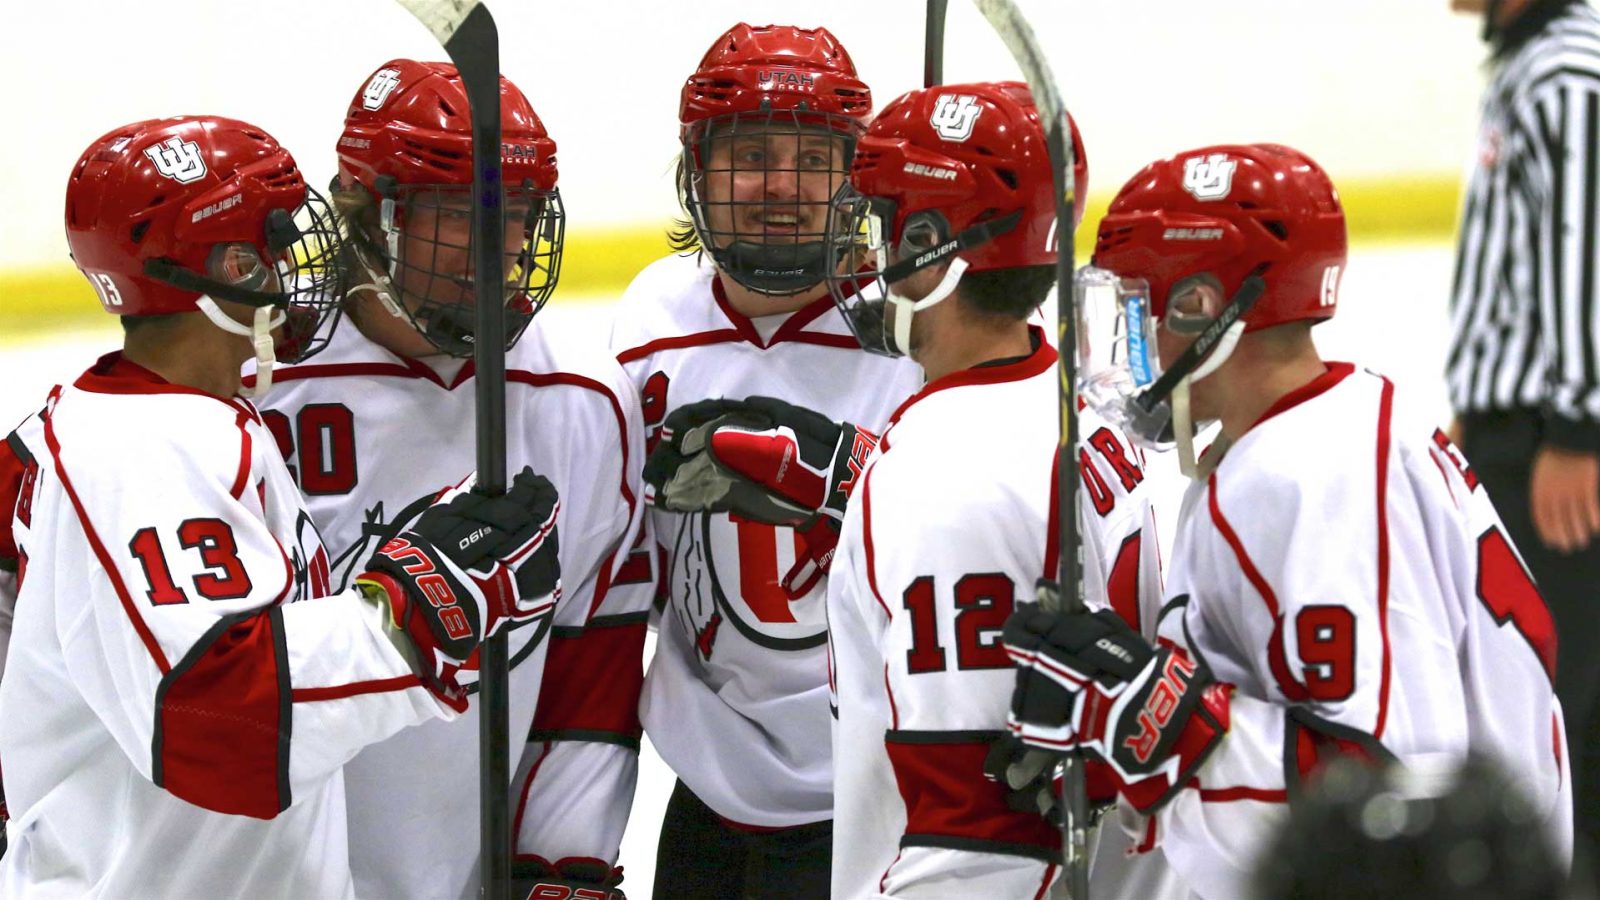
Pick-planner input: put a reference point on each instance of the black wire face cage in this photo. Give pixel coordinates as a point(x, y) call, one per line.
point(317, 280)
point(865, 266)
point(303, 277)
point(757, 190)
point(431, 246)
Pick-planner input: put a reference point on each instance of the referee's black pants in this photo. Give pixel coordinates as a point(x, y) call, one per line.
point(1501, 447)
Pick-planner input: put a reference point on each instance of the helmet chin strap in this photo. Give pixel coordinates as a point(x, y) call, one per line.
point(904, 307)
point(381, 281)
point(259, 331)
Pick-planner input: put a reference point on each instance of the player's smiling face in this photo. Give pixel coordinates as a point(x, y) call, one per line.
point(772, 185)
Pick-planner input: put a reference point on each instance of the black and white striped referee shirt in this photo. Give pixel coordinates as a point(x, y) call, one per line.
point(1525, 307)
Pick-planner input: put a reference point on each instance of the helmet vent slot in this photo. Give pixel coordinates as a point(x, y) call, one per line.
point(1008, 176)
point(137, 232)
point(1277, 228)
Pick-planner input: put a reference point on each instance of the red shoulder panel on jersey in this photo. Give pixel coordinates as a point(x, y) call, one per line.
point(593, 677)
point(951, 804)
point(223, 719)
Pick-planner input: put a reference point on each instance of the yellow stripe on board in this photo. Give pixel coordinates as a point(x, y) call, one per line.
point(599, 262)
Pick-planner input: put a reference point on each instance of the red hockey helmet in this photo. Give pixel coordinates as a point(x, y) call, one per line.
point(162, 212)
point(958, 170)
point(407, 141)
point(1230, 211)
point(768, 68)
point(768, 123)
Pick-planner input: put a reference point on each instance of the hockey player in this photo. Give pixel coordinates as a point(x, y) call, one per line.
point(736, 697)
point(1340, 585)
point(349, 424)
point(950, 215)
point(182, 686)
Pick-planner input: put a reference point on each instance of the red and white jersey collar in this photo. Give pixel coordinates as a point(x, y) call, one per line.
point(1040, 360)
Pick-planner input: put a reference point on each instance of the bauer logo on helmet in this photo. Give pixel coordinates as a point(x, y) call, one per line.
point(954, 115)
point(177, 159)
point(1209, 177)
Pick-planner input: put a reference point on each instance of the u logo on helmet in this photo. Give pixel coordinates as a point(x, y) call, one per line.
point(379, 87)
point(954, 115)
point(1209, 177)
point(177, 159)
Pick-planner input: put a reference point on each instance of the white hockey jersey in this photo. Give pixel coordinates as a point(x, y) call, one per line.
point(736, 699)
point(366, 432)
point(1354, 584)
point(952, 525)
point(181, 690)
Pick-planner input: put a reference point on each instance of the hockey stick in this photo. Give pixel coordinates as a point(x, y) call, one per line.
point(472, 42)
point(933, 44)
point(1018, 36)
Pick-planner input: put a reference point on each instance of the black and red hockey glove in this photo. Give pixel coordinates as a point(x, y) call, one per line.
point(534, 878)
point(761, 459)
point(470, 565)
point(765, 460)
point(1086, 682)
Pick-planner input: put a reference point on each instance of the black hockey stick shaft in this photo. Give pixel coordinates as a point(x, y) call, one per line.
point(933, 44)
point(1019, 38)
point(471, 40)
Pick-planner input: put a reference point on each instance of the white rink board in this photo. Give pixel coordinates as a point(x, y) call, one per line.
point(1392, 319)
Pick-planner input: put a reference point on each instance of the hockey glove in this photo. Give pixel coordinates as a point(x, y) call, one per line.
point(470, 565)
point(534, 878)
point(761, 459)
point(1087, 682)
point(1032, 781)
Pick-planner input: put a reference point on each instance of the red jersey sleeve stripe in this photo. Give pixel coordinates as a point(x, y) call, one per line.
point(223, 719)
point(1385, 408)
point(354, 688)
point(593, 677)
point(950, 803)
point(680, 342)
point(241, 479)
point(98, 546)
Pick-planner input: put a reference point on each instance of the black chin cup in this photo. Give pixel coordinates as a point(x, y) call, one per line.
point(777, 269)
point(453, 329)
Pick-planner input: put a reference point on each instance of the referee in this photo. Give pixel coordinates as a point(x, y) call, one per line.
point(1524, 364)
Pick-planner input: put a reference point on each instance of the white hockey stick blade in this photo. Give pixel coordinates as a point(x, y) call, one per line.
point(441, 17)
